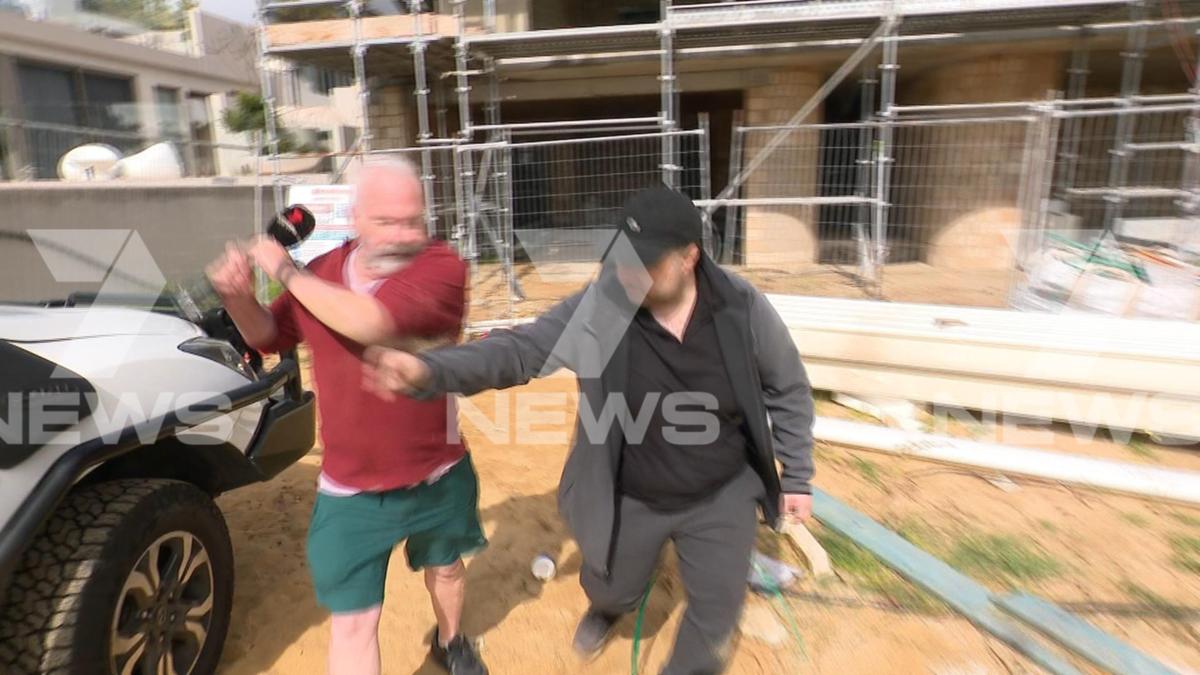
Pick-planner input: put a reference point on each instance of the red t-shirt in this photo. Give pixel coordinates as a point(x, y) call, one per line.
point(372, 444)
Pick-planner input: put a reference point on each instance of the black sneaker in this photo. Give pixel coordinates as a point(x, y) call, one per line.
point(458, 657)
point(593, 632)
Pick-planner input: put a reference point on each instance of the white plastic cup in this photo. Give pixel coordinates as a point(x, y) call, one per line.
point(543, 567)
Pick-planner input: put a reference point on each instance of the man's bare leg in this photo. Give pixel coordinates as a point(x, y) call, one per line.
point(354, 645)
point(447, 588)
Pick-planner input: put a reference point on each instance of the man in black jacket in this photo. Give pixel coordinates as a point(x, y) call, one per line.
point(690, 390)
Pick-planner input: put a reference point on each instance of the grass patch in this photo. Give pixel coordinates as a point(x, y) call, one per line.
point(1186, 553)
point(864, 571)
point(1001, 557)
point(918, 533)
point(870, 472)
point(823, 454)
point(1135, 519)
point(1149, 598)
point(848, 557)
point(1047, 525)
point(1140, 449)
point(1186, 519)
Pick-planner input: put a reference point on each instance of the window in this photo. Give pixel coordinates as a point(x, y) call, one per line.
point(328, 80)
point(201, 132)
point(48, 95)
point(168, 113)
point(109, 103)
point(91, 103)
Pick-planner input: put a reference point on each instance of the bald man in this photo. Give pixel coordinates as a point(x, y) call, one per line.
point(391, 472)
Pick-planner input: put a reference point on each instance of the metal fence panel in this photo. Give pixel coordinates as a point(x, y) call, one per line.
point(541, 213)
point(953, 184)
point(1158, 148)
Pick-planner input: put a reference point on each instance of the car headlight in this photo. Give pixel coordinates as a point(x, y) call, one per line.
point(221, 352)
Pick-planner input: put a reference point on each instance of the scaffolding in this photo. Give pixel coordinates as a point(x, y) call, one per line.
point(476, 56)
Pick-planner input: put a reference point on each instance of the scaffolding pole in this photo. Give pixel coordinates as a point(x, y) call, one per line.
point(502, 242)
point(883, 158)
point(465, 172)
point(705, 191)
point(866, 134)
point(269, 126)
point(666, 79)
point(421, 91)
point(733, 214)
point(1077, 76)
point(507, 224)
point(358, 52)
point(615, 121)
point(886, 27)
point(1190, 205)
point(489, 15)
point(1121, 154)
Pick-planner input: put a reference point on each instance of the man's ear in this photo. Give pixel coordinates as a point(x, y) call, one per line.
point(691, 256)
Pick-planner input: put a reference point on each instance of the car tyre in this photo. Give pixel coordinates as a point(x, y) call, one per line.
point(127, 576)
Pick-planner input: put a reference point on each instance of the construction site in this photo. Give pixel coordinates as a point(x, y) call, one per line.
point(978, 219)
point(934, 145)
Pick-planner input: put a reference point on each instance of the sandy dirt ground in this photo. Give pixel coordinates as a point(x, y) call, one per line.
point(909, 282)
point(1114, 565)
point(1129, 566)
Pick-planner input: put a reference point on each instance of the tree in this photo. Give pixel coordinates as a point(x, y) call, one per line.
point(153, 14)
point(249, 115)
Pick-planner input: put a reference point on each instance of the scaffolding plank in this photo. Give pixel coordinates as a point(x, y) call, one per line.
point(962, 593)
point(332, 33)
point(1149, 192)
point(777, 11)
point(1080, 636)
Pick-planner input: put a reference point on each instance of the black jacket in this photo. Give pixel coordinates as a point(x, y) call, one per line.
point(586, 333)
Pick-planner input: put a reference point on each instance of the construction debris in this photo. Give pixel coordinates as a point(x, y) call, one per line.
point(1114, 276)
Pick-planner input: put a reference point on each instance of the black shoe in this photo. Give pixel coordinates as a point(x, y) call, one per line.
point(593, 632)
point(458, 657)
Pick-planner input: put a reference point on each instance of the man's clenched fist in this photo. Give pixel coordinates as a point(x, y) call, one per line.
point(387, 372)
point(230, 275)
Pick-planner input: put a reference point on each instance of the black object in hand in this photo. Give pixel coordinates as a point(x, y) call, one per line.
point(292, 225)
point(197, 298)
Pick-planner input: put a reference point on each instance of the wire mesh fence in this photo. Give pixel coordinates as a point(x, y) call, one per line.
point(956, 192)
point(1087, 175)
point(953, 197)
point(538, 215)
point(809, 202)
point(1119, 224)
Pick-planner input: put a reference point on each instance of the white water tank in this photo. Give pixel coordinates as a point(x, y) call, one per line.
point(159, 161)
point(94, 161)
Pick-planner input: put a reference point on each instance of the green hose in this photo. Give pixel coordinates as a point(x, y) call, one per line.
point(773, 590)
point(776, 594)
point(637, 627)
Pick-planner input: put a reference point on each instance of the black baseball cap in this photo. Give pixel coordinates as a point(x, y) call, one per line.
point(657, 220)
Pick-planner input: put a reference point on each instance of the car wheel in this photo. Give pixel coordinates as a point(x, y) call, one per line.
point(133, 576)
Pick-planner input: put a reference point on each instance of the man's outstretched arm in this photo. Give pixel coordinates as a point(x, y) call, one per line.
point(505, 358)
point(358, 316)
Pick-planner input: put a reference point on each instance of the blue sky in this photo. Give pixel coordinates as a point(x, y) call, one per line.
point(241, 10)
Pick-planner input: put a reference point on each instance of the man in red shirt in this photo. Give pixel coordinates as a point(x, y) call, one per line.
point(389, 472)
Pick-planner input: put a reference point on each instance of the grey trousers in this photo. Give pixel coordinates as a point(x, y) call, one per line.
point(713, 541)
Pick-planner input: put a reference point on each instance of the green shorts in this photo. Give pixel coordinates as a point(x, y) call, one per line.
point(351, 538)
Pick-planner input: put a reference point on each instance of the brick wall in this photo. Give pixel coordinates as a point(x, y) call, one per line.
point(956, 186)
point(781, 235)
point(393, 117)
